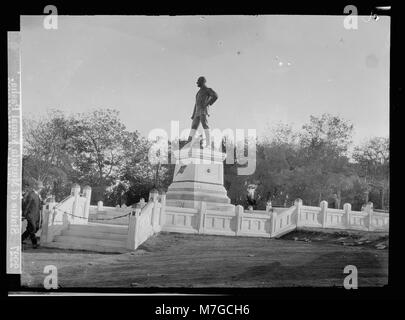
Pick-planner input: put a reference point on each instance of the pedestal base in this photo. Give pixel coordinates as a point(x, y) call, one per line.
point(198, 176)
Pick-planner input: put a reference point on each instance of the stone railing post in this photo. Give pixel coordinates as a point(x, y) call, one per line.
point(347, 207)
point(100, 206)
point(298, 205)
point(369, 209)
point(155, 209)
point(75, 192)
point(324, 213)
point(46, 216)
point(51, 203)
point(239, 217)
point(268, 206)
point(203, 209)
point(273, 222)
point(132, 241)
point(152, 193)
point(49, 218)
point(48, 211)
point(65, 220)
point(74, 189)
point(162, 219)
point(86, 207)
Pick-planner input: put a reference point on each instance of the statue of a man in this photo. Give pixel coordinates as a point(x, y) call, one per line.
point(205, 97)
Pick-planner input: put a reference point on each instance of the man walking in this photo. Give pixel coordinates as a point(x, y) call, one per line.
point(205, 97)
point(32, 212)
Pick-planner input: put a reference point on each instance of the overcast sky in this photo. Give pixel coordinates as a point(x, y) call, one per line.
point(265, 69)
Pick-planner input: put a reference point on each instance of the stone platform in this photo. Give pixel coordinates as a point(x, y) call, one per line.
point(199, 176)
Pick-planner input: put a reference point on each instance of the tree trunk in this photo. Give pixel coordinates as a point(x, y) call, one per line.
point(157, 176)
point(382, 197)
point(339, 198)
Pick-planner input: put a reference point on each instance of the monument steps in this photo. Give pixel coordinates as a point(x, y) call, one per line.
point(86, 240)
point(99, 227)
point(108, 219)
point(86, 247)
point(95, 237)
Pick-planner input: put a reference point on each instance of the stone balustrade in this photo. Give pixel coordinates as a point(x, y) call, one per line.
point(259, 223)
point(74, 209)
point(148, 218)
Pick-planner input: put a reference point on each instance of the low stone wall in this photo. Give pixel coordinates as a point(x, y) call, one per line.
point(271, 224)
point(155, 216)
point(145, 220)
point(140, 226)
point(324, 217)
point(230, 223)
point(179, 219)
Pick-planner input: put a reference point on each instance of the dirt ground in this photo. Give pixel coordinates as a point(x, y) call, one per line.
point(301, 258)
point(377, 240)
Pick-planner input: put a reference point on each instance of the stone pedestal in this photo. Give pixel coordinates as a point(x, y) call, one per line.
point(199, 176)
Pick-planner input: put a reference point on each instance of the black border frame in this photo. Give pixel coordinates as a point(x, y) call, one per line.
point(10, 22)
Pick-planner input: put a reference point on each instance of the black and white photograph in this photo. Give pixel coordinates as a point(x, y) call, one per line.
point(199, 151)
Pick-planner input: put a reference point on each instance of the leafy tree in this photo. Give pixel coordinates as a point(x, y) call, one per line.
point(327, 134)
point(139, 171)
point(97, 148)
point(372, 159)
point(324, 145)
point(46, 156)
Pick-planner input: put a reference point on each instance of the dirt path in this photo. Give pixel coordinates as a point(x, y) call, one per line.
point(182, 260)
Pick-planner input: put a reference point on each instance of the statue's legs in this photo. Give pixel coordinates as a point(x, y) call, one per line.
point(191, 135)
point(194, 126)
point(204, 123)
point(207, 137)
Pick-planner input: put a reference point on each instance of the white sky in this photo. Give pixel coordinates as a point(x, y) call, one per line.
point(265, 69)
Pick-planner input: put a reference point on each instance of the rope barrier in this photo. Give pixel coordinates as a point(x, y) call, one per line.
point(98, 219)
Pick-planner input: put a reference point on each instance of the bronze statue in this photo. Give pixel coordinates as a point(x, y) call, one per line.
point(205, 97)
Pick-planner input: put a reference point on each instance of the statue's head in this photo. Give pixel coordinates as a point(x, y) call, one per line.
point(201, 81)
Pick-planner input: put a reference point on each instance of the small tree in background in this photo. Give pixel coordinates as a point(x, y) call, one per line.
point(372, 158)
